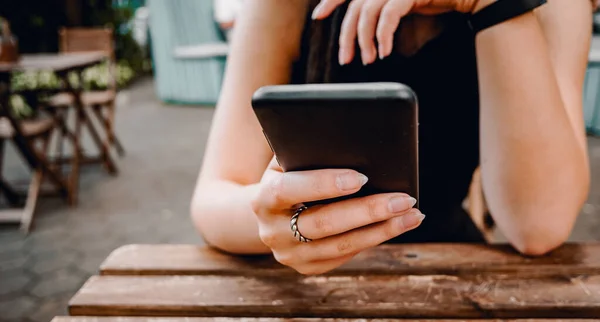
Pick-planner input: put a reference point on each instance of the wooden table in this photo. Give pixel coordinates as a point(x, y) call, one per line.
point(426, 281)
point(62, 65)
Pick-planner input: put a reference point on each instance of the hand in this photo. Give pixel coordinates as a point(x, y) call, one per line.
point(370, 19)
point(338, 230)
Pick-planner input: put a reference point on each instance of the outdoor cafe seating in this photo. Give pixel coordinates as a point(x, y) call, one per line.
point(50, 122)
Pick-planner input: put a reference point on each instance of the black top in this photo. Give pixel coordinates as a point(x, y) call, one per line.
point(443, 74)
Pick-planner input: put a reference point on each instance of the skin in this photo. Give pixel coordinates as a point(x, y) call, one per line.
point(533, 145)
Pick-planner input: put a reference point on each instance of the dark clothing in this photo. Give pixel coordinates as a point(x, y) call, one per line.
point(443, 74)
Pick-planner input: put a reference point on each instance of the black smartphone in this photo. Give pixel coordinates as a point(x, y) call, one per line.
point(368, 127)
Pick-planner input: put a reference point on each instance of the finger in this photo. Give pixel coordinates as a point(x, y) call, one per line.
point(274, 165)
point(389, 20)
point(316, 268)
point(363, 238)
point(348, 32)
point(282, 190)
point(343, 216)
point(367, 23)
point(325, 8)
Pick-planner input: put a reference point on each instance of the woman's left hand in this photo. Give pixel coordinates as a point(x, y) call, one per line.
point(368, 20)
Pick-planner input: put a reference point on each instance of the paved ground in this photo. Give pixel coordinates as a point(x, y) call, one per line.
point(146, 203)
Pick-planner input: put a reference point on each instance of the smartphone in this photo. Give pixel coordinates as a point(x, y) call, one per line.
point(368, 127)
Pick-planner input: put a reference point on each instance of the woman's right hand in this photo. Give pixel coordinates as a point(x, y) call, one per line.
point(338, 230)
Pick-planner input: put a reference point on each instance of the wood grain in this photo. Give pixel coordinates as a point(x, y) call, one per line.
point(419, 259)
point(175, 319)
point(383, 296)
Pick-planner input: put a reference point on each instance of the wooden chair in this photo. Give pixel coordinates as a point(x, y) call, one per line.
point(102, 103)
point(32, 138)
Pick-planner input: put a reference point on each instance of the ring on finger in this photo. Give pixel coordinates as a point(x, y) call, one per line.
point(294, 225)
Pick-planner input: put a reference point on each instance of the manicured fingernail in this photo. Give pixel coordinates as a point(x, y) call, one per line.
point(380, 51)
point(368, 55)
point(413, 201)
point(412, 219)
point(343, 56)
point(317, 11)
point(350, 181)
point(398, 204)
point(363, 179)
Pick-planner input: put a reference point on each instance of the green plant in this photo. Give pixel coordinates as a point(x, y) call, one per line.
point(103, 13)
point(93, 78)
point(19, 107)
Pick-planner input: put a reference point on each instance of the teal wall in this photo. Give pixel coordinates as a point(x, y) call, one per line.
point(176, 23)
point(591, 103)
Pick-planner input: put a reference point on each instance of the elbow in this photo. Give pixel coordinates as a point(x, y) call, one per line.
point(547, 229)
point(536, 246)
point(545, 225)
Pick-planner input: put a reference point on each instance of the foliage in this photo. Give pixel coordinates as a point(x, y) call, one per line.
point(103, 13)
point(19, 108)
point(94, 78)
point(36, 23)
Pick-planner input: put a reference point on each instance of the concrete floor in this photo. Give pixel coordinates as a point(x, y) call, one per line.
point(147, 203)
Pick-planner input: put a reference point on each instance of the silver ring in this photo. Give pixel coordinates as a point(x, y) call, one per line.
point(294, 225)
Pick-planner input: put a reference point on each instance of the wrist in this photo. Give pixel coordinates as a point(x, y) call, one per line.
point(481, 4)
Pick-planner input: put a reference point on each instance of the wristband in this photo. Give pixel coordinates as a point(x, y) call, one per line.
point(501, 11)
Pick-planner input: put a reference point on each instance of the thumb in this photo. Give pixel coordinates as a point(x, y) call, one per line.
point(274, 165)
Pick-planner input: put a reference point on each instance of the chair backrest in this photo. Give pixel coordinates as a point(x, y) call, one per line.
point(82, 40)
point(74, 40)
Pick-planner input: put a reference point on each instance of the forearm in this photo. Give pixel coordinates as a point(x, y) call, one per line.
point(222, 214)
point(535, 172)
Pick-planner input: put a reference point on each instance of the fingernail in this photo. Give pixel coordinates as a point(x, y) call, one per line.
point(398, 204)
point(363, 57)
point(343, 56)
point(363, 179)
point(368, 55)
point(316, 12)
point(380, 51)
point(351, 181)
point(412, 219)
point(413, 201)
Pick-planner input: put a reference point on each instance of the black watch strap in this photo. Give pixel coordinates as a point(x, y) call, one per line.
point(500, 11)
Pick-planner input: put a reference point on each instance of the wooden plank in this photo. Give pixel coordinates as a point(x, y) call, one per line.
point(418, 259)
point(11, 215)
point(202, 51)
point(175, 319)
point(383, 296)
point(594, 54)
point(53, 62)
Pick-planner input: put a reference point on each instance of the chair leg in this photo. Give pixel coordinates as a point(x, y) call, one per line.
point(61, 134)
point(34, 191)
point(32, 197)
point(111, 130)
point(108, 163)
point(97, 109)
point(108, 122)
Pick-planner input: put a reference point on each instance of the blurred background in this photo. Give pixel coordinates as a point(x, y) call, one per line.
point(150, 100)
